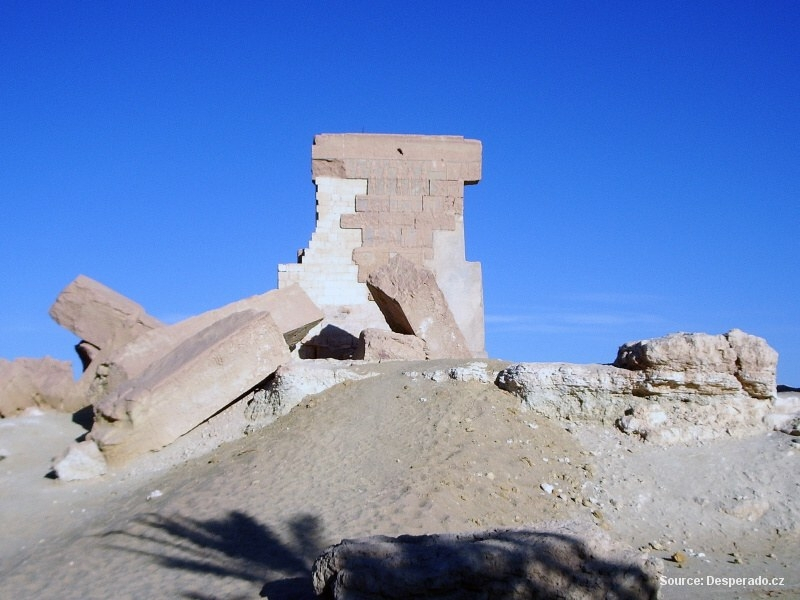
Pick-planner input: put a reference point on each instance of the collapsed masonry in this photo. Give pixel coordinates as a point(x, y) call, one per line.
point(379, 197)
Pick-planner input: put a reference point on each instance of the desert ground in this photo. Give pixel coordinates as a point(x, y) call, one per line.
point(392, 454)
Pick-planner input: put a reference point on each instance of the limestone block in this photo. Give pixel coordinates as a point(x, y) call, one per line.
point(682, 388)
point(412, 303)
point(592, 392)
point(292, 383)
point(557, 560)
point(699, 363)
point(41, 382)
point(196, 379)
point(377, 345)
point(756, 363)
point(100, 315)
point(81, 460)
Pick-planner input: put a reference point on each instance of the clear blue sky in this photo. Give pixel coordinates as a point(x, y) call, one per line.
point(641, 160)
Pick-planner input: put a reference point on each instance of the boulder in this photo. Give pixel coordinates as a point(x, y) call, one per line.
point(702, 364)
point(40, 382)
point(196, 379)
point(413, 304)
point(375, 345)
point(99, 315)
point(292, 311)
point(556, 561)
point(81, 460)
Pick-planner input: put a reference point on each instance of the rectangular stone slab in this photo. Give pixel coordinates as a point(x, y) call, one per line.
point(198, 378)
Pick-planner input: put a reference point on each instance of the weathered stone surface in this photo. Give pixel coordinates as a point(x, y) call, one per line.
point(562, 390)
point(82, 460)
point(376, 345)
point(196, 379)
point(41, 382)
point(699, 363)
point(558, 561)
point(381, 195)
point(99, 315)
point(292, 383)
point(756, 363)
point(292, 311)
point(678, 388)
point(413, 304)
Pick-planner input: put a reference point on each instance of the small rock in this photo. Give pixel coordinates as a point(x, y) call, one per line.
point(154, 494)
point(548, 489)
point(680, 558)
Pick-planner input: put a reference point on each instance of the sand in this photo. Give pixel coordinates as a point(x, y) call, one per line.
point(388, 455)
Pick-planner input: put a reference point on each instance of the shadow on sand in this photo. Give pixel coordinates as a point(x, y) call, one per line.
point(236, 546)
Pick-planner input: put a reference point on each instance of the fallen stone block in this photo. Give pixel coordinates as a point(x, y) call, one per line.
point(413, 304)
point(195, 380)
point(81, 460)
point(292, 311)
point(39, 382)
point(376, 345)
point(556, 561)
point(99, 315)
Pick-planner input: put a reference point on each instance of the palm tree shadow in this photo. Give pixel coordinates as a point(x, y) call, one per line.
point(235, 546)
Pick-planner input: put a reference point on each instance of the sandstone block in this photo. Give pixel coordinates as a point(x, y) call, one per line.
point(376, 345)
point(412, 303)
point(195, 380)
point(556, 561)
point(40, 382)
point(99, 315)
point(291, 309)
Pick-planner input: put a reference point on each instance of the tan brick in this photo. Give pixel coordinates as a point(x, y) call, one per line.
point(353, 221)
point(445, 188)
point(405, 203)
point(372, 203)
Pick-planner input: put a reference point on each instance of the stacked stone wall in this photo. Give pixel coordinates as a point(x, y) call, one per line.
point(383, 195)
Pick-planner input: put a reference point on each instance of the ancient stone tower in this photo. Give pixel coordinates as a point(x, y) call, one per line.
point(377, 196)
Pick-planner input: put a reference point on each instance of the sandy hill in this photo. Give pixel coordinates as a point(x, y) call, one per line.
point(392, 454)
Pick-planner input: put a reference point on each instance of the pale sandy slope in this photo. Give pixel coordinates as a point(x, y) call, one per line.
point(388, 455)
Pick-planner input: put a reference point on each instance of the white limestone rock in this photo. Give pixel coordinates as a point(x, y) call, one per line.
point(81, 460)
point(293, 382)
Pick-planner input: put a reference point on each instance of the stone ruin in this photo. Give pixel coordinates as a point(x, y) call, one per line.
point(384, 277)
point(378, 197)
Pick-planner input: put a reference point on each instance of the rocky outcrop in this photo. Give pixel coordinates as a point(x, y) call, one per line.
point(292, 383)
point(41, 382)
point(699, 363)
point(375, 345)
point(413, 304)
point(195, 380)
point(99, 315)
point(677, 388)
point(563, 390)
point(556, 561)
